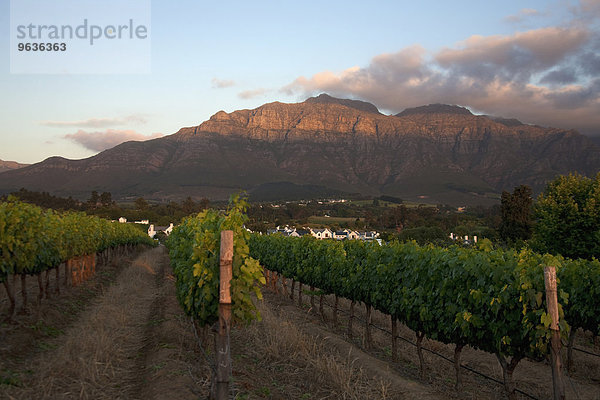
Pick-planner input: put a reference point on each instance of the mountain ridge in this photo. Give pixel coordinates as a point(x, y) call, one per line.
point(10, 165)
point(436, 153)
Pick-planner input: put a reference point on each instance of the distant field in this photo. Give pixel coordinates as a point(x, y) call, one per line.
point(331, 220)
point(382, 203)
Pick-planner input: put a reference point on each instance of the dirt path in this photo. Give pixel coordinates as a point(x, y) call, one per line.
point(132, 342)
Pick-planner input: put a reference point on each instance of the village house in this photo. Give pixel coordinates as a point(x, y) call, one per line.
point(166, 229)
point(321, 233)
point(325, 233)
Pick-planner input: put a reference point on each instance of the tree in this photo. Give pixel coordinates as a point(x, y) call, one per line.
point(141, 204)
point(188, 206)
point(93, 200)
point(568, 217)
point(106, 199)
point(517, 213)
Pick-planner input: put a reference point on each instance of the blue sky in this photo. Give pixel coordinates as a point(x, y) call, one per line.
point(534, 60)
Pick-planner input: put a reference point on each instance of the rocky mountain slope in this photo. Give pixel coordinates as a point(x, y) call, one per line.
point(8, 165)
point(435, 153)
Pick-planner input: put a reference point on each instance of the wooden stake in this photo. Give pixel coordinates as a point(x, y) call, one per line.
point(552, 303)
point(223, 349)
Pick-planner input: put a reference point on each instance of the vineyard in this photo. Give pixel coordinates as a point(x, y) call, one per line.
point(492, 300)
point(472, 301)
point(34, 241)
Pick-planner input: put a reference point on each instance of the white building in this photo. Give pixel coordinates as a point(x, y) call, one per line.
point(166, 229)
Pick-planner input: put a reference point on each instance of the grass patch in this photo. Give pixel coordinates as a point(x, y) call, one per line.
point(46, 330)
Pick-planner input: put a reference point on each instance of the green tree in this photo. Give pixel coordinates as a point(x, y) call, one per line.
point(94, 199)
point(568, 217)
point(106, 199)
point(141, 204)
point(189, 206)
point(517, 213)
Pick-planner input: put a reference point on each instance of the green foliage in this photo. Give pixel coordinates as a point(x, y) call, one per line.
point(194, 250)
point(568, 217)
point(33, 240)
point(581, 279)
point(488, 298)
point(424, 235)
point(516, 209)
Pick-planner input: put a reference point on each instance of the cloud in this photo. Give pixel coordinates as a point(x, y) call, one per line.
point(523, 14)
point(98, 122)
point(547, 76)
point(515, 57)
point(221, 83)
point(249, 94)
point(102, 140)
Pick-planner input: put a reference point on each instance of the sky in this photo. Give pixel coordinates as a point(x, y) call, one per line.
point(538, 61)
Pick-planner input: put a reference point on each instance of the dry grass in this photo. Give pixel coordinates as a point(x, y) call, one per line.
point(298, 365)
point(94, 359)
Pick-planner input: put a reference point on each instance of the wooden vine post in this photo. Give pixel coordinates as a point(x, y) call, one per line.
point(223, 351)
point(552, 302)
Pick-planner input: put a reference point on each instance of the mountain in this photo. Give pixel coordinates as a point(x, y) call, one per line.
point(8, 165)
point(325, 147)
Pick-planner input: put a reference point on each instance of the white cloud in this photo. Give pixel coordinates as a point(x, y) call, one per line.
point(250, 94)
point(222, 83)
point(98, 122)
point(102, 140)
point(524, 14)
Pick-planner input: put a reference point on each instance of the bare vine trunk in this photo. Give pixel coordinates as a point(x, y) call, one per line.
point(394, 338)
point(570, 349)
point(292, 290)
point(312, 297)
point(457, 354)
point(299, 294)
point(41, 287)
point(351, 318)
point(10, 292)
point(57, 289)
point(335, 311)
point(24, 291)
point(368, 338)
point(321, 310)
point(47, 284)
point(507, 372)
point(67, 271)
point(420, 336)
point(284, 285)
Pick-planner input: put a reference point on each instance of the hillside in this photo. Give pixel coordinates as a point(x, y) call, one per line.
point(435, 153)
point(9, 165)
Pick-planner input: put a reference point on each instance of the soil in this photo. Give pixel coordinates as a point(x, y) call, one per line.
point(123, 335)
